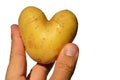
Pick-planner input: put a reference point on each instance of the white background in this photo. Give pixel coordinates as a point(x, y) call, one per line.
point(98, 35)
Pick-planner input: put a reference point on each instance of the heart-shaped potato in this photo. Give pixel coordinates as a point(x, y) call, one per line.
point(44, 39)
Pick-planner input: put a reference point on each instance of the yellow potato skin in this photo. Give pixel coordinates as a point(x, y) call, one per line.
point(44, 39)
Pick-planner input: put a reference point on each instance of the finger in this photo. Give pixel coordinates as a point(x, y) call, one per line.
point(40, 71)
point(65, 63)
point(17, 64)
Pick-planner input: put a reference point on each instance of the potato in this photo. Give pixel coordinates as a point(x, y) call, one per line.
point(44, 39)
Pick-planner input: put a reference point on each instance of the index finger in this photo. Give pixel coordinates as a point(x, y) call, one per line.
point(17, 64)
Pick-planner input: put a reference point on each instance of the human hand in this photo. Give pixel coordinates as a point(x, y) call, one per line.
point(17, 68)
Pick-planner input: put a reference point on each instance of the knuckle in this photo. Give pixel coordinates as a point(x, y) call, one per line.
point(67, 67)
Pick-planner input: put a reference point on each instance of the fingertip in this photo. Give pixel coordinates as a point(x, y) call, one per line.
point(15, 33)
point(71, 49)
point(13, 26)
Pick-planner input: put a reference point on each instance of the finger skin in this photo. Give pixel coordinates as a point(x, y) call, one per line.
point(17, 64)
point(66, 63)
point(17, 67)
point(40, 71)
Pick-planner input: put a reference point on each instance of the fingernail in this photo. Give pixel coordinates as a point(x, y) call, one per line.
point(71, 51)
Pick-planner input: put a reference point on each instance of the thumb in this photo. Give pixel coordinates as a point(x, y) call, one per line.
point(66, 63)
